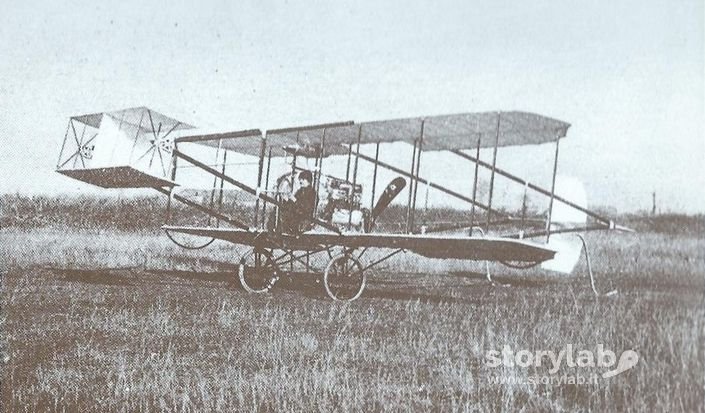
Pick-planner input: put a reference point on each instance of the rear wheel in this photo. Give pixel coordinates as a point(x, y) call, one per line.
point(258, 272)
point(344, 278)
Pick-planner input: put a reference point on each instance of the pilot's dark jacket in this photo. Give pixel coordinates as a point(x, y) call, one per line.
point(305, 201)
point(296, 216)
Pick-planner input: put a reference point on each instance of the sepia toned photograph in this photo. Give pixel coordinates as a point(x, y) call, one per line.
point(281, 206)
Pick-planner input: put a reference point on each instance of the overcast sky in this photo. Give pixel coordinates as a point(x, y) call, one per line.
point(628, 75)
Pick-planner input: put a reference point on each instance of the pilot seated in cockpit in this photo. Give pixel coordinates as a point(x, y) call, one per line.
point(298, 209)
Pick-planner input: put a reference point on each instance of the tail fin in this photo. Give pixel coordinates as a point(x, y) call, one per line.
point(563, 216)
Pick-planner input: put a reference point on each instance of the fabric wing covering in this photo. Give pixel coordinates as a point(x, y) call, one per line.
point(145, 119)
point(444, 132)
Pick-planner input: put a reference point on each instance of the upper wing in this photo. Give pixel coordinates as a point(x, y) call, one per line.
point(444, 132)
point(485, 248)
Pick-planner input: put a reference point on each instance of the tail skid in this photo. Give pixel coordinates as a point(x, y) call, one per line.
point(589, 268)
point(569, 247)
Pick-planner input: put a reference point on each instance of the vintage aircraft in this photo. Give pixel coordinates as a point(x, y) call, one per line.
point(140, 148)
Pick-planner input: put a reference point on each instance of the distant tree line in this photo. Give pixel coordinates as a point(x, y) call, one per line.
point(148, 213)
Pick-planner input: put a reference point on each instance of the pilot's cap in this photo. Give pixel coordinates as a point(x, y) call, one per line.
point(306, 175)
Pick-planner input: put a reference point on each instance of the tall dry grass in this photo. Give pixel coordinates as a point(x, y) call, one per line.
point(106, 321)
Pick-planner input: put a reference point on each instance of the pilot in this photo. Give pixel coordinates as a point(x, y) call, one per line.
point(305, 197)
point(301, 205)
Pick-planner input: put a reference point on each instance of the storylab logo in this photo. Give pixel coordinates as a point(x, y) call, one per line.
point(568, 357)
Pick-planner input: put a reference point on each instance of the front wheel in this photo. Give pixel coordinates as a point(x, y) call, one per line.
point(257, 271)
point(344, 278)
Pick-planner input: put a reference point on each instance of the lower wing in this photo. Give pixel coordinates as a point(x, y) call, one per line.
point(467, 248)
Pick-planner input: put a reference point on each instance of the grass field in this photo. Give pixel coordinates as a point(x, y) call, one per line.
point(107, 320)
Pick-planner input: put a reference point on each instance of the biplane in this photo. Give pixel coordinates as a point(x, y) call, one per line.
point(250, 172)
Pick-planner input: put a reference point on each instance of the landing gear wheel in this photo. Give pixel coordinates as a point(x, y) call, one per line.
point(257, 271)
point(344, 278)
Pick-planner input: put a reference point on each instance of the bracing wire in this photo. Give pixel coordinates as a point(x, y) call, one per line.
point(188, 247)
